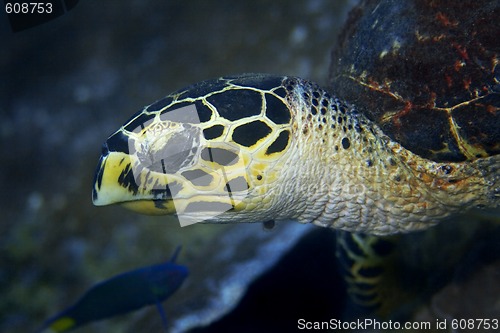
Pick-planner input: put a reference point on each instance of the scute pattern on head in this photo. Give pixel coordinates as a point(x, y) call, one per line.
point(239, 126)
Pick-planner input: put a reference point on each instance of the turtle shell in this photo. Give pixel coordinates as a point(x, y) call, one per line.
point(427, 72)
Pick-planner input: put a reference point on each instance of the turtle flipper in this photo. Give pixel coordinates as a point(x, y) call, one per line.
point(367, 264)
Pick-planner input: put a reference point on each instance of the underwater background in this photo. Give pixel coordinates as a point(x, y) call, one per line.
point(66, 85)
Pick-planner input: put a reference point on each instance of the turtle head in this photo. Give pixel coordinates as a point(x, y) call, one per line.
point(208, 152)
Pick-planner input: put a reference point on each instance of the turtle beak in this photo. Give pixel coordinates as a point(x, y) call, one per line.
point(116, 182)
point(107, 189)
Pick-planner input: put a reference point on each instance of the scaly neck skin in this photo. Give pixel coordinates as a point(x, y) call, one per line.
point(352, 176)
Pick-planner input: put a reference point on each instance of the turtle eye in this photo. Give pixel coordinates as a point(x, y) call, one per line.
point(169, 151)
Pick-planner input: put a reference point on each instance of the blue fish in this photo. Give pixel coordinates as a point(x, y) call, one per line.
point(123, 293)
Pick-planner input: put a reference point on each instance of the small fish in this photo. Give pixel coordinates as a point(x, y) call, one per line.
point(122, 293)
